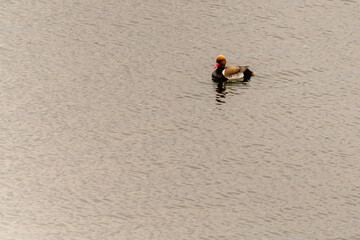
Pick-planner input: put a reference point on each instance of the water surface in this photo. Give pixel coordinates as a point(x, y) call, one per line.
point(111, 127)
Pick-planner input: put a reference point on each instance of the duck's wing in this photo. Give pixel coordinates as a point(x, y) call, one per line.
point(234, 70)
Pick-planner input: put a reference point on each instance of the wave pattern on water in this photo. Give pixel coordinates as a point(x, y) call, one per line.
point(112, 129)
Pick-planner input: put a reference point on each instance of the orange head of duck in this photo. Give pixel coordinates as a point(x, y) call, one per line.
point(220, 61)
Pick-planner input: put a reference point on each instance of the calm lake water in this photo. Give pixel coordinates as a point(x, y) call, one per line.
point(112, 129)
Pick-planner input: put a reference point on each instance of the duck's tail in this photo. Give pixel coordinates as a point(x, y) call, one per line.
point(248, 74)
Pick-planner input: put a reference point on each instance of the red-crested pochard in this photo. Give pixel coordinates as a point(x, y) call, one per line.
point(225, 73)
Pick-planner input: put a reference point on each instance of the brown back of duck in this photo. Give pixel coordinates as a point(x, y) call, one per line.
point(230, 70)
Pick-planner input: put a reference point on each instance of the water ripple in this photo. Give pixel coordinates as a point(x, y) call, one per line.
point(111, 127)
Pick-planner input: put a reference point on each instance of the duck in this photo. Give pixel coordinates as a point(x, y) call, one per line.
point(225, 73)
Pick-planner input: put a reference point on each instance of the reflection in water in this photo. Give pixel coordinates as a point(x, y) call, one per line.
point(221, 89)
point(220, 92)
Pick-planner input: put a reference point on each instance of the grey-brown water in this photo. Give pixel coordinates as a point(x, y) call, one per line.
point(111, 127)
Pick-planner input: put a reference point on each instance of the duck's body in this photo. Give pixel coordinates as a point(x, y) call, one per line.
point(225, 73)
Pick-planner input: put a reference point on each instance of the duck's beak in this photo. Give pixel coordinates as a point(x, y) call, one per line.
point(216, 65)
